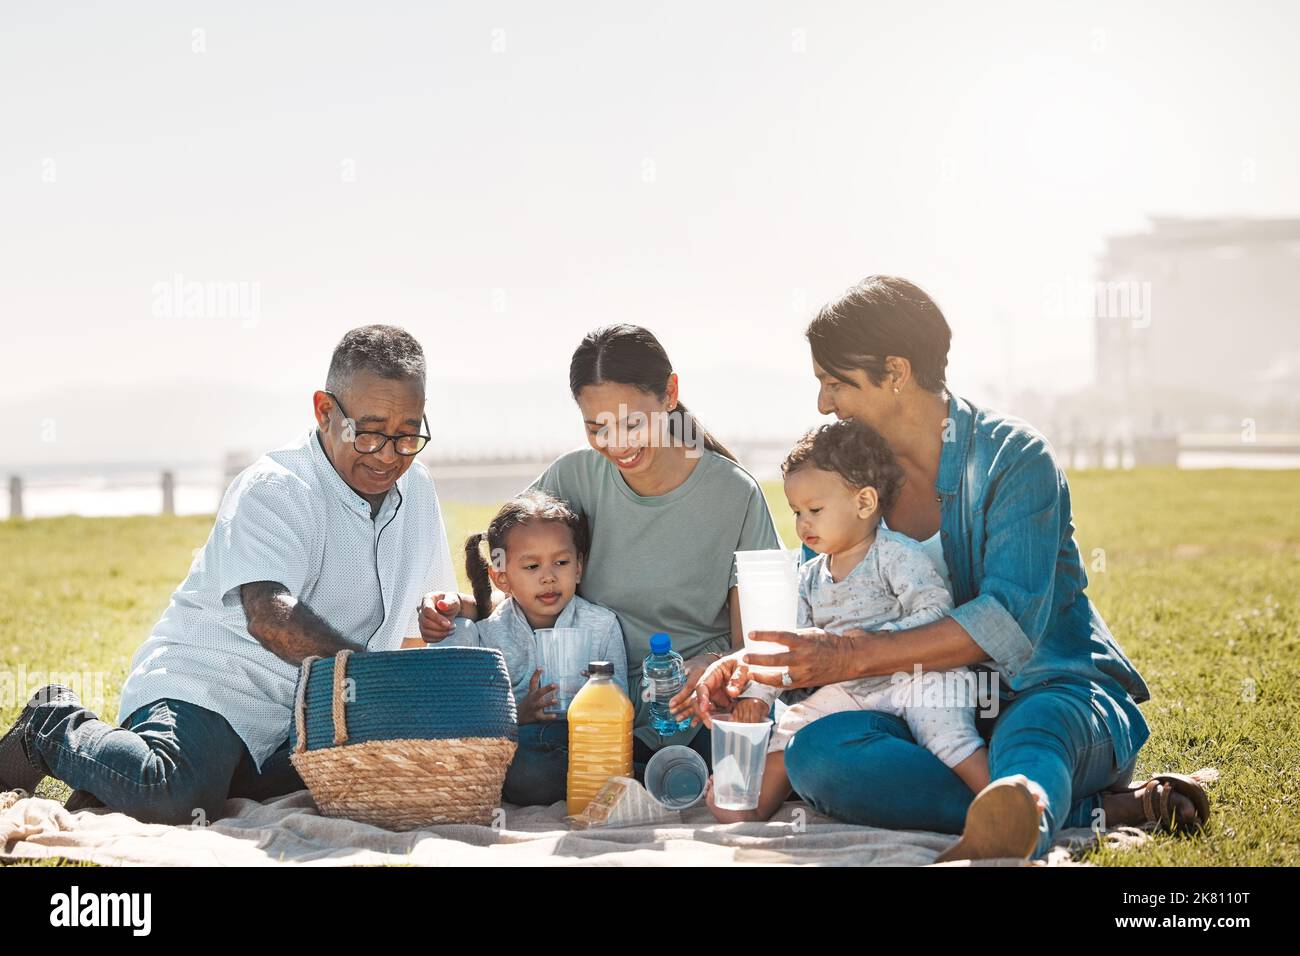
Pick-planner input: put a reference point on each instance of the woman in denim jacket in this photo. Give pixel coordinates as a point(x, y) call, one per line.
point(984, 492)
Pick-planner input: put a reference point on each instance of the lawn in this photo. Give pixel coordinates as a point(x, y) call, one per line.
point(1196, 573)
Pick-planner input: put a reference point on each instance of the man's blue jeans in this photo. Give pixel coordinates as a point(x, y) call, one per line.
point(170, 762)
point(864, 767)
point(539, 772)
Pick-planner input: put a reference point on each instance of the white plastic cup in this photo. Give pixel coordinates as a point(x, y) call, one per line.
point(565, 655)
point(739, 754)
point(769, 577)
point(767, 607)
point(763, 561)
point(769, 554)
point(773, 566)
point(676, 776)
point(783, 574)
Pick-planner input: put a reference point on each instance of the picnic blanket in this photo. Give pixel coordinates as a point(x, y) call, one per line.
point(289, 830)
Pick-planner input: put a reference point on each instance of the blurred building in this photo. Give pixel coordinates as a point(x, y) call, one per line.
point(1197, 327)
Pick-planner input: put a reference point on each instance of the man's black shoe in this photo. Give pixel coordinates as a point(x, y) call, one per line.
point(18, 771)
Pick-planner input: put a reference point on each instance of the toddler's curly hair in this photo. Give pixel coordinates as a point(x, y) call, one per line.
point(854, 451)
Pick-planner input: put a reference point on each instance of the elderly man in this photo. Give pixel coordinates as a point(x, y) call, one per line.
point(325, 544)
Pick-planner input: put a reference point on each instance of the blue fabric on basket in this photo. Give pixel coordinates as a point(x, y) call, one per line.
point(435, 693)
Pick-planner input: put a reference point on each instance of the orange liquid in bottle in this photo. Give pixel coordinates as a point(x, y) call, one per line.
point(600, 738)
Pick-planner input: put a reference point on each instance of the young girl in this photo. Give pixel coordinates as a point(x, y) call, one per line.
point(537, 545)
point(839, 480)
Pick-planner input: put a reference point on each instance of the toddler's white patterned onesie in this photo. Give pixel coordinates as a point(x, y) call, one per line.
point(894, 587)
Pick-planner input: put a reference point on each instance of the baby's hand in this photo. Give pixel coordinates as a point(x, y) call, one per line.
point(438, 612)
point(533, 709)
point(749, 711)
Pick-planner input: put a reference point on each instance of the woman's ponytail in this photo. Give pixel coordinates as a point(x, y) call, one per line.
point(687, 427)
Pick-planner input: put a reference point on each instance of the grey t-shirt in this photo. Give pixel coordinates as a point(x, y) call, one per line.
point(664, 562)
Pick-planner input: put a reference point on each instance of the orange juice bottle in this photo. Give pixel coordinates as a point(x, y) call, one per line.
point(600, 735)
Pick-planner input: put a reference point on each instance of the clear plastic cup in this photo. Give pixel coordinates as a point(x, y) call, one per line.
point(564, 654)
point(739, 753)
point(676, 777)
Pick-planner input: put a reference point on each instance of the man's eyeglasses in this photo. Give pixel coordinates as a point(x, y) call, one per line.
point(367, 443)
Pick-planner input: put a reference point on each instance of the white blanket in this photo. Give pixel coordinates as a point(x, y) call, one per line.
point(289, 830)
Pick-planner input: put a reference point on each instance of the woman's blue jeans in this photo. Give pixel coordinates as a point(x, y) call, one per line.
point(539, 773)
point(864, 767)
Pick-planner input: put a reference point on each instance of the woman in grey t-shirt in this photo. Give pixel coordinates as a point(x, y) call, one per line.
point(667, 505)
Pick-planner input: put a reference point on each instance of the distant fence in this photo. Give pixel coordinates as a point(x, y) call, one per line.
point(1228, 448)
point(166, 484)
point(491, 481)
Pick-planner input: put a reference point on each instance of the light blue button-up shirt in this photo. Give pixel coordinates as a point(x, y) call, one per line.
point(290, 518)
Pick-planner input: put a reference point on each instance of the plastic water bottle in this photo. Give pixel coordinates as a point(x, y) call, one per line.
point(663, 675)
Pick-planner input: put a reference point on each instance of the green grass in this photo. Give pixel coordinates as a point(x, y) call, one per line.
point(1200, 573)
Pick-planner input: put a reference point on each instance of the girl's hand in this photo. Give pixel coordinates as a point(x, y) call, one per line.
point(533, 709)
point(815, 657)
point(438, 612)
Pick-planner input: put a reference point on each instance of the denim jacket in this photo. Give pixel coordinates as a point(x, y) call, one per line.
point(1017, 577)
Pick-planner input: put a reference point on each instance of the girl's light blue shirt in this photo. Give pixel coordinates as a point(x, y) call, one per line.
point(508, 630)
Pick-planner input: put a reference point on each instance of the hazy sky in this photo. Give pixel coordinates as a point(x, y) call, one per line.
point(500, 178)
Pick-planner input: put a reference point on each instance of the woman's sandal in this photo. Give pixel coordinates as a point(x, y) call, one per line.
point(1157, 800)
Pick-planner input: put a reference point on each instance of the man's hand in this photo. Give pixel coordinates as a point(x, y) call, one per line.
point(286, 627)
point(438, 613)
point(533, 709)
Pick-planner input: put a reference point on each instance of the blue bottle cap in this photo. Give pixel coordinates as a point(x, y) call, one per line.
point(660, 643)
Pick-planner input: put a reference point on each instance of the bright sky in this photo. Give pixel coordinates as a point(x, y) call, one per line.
point(501, 177)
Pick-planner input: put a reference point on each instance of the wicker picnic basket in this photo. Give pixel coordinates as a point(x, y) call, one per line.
point(405, 739)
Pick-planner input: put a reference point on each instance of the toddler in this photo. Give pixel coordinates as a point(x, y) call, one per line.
point(839, 480)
